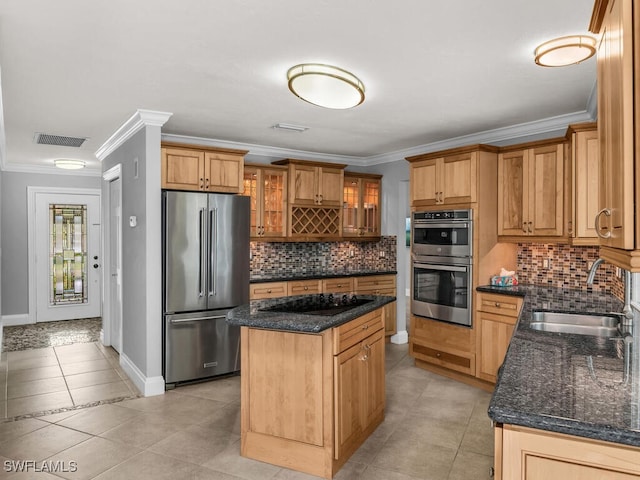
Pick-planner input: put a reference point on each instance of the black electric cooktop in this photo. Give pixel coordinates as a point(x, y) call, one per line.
point(319, 304)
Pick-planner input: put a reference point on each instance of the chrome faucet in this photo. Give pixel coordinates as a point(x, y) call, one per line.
point(627, 313)
point(592, 270)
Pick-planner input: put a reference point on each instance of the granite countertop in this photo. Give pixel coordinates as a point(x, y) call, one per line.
point(575, 384)
point(251, 315)
point(317, 274)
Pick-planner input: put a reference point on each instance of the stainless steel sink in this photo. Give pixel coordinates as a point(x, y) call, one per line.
point(599, 325)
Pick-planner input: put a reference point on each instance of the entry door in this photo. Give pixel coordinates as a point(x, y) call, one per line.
point(67, 256)
point(115, 261)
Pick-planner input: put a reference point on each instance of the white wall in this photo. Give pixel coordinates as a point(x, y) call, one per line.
point(141, 351)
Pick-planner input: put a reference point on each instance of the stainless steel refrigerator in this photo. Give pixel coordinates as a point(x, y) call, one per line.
point(205, 274)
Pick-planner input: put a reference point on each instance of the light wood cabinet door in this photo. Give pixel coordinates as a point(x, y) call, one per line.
point(424, 183)
point(303, 188)
point(458, 179)
point(330, 183)
point(359, 390)
point(267, 188)
point(531, 192)
point(546, 191)
point(617, 100)
point(182, 169)
point(361, 216)
point(495, 334)
point(529, 454)
point(585, 174)
point(223, 172)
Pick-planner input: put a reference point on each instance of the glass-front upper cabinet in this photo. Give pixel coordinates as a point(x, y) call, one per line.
point(361, 205)
point(267, 188)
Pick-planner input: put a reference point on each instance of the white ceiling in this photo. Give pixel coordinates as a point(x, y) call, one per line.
point(433, 71)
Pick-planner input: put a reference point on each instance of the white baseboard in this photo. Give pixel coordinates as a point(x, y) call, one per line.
point(13, 320)
point(149, 386)
point(400, 338)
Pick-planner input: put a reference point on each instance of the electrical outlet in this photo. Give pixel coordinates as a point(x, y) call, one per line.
point(618, 272)
point(381, 253)
point(545, 263)
point(589, 265)
point(351, 254)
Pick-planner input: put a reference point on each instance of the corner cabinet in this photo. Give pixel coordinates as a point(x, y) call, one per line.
point(531, 185)
point(199, 168)
point(315, 199)
point(529, 454)
point(618, 54)
point(361, 216)
point(267, 188)
point(445, 180)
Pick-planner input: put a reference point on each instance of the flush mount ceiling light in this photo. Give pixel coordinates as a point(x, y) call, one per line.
point(69, 164)
point(325, 86)
point(565, 51)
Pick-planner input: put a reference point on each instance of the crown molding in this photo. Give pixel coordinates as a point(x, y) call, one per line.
point(50, 170)
point(263, 150)
point(139, 120)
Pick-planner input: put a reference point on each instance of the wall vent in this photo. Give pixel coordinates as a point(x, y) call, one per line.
point(48, 139)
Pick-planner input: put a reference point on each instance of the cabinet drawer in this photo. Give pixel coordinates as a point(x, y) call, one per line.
point(350, 333)
point(499, 304)
point(258, 291)
point(337, 285)
point(454, 360)
point(303, 287)
point(366, 284)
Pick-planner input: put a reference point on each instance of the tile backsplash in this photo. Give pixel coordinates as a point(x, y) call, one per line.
point(277, 259)
point(568, 267)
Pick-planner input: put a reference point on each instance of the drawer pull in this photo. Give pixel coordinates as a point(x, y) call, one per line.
point(306, 288)
point(498, 304)
point(269, 290)
point(438, 355)
point(365, 327)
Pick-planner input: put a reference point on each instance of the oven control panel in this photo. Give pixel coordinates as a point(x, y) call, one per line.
point(444, 215)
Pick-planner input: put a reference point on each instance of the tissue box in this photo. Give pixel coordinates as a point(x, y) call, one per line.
point(508, 281)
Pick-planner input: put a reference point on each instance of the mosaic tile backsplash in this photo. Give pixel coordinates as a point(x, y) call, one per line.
point(301, 258)
point(568, 268)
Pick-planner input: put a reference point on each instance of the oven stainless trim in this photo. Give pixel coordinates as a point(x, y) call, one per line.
point(445, 313)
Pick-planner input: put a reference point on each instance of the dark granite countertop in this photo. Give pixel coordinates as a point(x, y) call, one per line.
point(575, 384)
point(313, 275)
point(251, 315)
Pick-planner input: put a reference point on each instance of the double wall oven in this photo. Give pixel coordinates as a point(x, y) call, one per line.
point(442, 265)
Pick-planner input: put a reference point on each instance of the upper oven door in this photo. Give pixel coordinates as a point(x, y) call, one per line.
point(447, 238)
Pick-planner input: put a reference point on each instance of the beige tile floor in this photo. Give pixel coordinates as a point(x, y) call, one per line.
point(435, 428)
point(64, 377)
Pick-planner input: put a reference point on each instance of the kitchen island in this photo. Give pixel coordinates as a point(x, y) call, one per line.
point(312, 380)
point(566, 405)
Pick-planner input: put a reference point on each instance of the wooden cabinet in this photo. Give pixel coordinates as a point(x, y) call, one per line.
point(308, 401)
point(361, 216)
point(585, 183)
point(303, 287)
point(191, 167)
point(380, 285)
point(258, 291)
point(267, 188)
point(315, 199)
point(529, 454)
point(337, 285)
point(618, 54)
point(496, 318)
point(443, 345)
point(531, 191)
point(445, 180)
point(359, 381)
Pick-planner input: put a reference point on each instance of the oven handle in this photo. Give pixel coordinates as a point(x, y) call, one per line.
point(419, 224)
point(448, 268)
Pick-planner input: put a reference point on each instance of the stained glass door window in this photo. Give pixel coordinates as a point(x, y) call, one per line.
point(67, 254)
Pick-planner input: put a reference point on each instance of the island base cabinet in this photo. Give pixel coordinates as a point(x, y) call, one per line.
point(530, 454)
point(309, 400)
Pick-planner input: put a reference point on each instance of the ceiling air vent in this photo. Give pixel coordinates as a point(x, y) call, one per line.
point(48, 139)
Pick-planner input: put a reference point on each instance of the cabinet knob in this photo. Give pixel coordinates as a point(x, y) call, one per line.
point(306, 288)
point(498, 304)
point(269, 291)
point(339, 285)
point(365, 327)
point(202, 184)
point(438, 355)
point(530, 229)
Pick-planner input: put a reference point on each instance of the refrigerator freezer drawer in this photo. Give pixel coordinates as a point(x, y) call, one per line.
point(200, 345)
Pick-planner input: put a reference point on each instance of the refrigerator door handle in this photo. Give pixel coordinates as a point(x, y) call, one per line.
point(213, 250)
point(199, 319)
point(201, 273)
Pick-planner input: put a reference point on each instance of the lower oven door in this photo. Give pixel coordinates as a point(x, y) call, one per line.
point(442, 292)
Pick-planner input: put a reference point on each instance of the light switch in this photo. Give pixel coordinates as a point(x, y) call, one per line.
point(133, 221)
